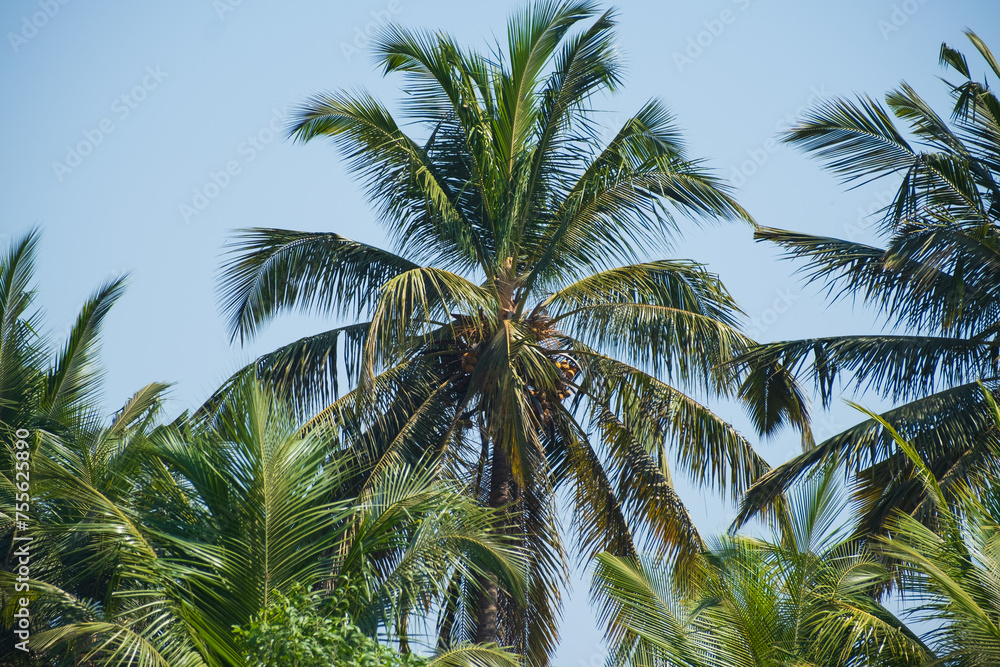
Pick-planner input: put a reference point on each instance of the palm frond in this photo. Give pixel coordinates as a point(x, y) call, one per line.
point(416, 303)
point(953, 429)
point(474, 655)
point(72, 383)
point(21, 350)
point(707, 448)
point(855, 139)
point(274, 269)
point(897, 366)
point(641, 614)
point(937, 290)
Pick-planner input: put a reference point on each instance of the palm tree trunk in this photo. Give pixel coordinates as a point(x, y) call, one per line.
point(499, 496)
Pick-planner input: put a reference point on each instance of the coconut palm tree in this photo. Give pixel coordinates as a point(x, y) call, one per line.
point(21, 351)
point(166, 538)
point(935, 280)
point(149, 542)
point(804, 598)
point(46, 392)
point(952, 573)
point(518, 330)
point(43, 388)
point(52, 394)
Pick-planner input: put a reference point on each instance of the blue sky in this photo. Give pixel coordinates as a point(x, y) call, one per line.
point(138, 135)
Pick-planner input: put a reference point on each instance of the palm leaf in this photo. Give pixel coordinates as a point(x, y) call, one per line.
point(273, 269)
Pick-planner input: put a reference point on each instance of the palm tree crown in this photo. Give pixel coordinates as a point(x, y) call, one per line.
point(519, 331)
point(936, 279)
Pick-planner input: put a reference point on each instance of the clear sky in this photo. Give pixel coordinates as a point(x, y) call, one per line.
point(137, 135)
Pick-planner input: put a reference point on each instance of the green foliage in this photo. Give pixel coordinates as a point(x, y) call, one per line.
point(518, 330)
point(302, 629)
point(528, 347)
point(953, 572)
point(151, 541)
point(184, 531)
point(808, 596)
point(935, 280)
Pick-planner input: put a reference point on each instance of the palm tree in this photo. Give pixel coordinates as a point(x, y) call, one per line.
point(953, 573)
point(46, 392)
point(149, 542)
point(167, 538)
point(936, 281)
point(518, 331)
point(52, 393)
point(804, 598)
point(43, 389)
point(21, 351)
